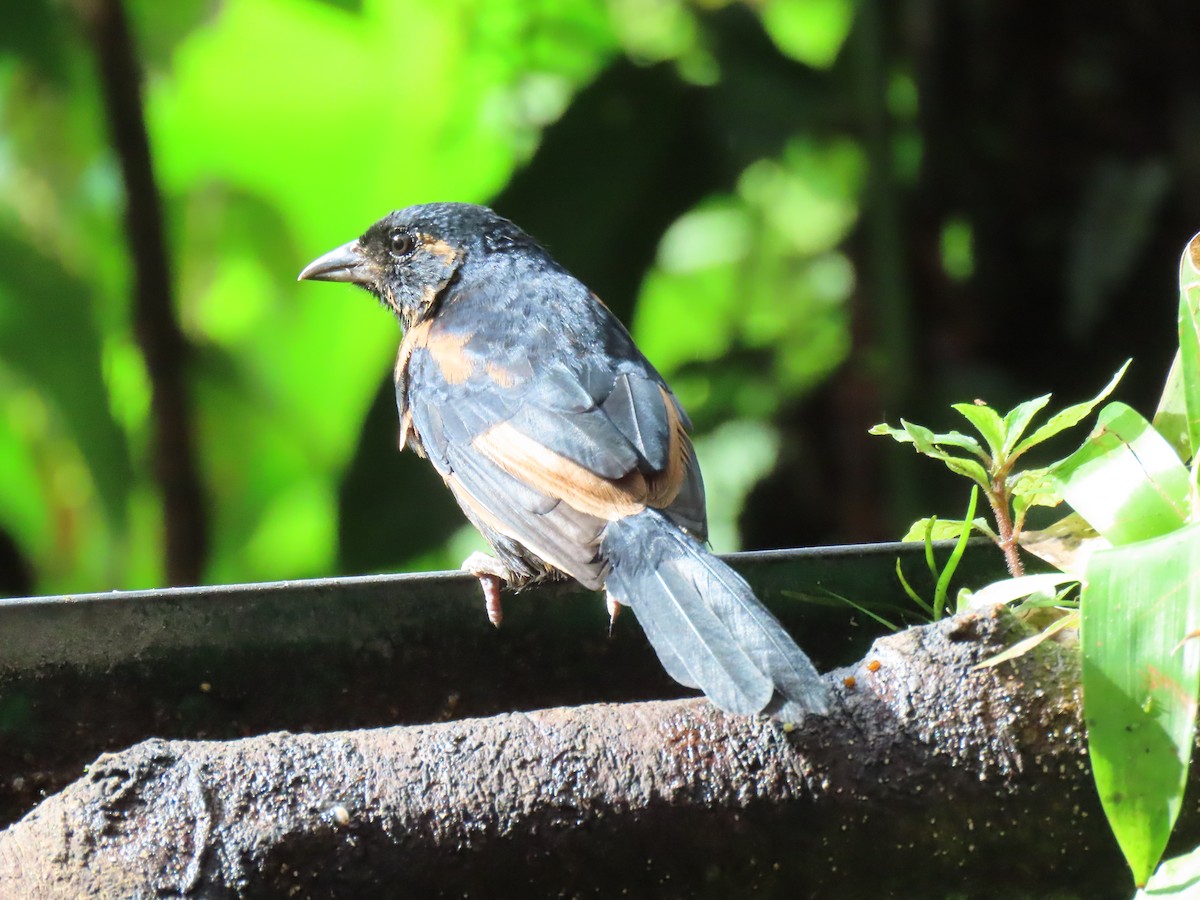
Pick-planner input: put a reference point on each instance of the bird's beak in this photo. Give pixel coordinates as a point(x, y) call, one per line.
point(346, 263)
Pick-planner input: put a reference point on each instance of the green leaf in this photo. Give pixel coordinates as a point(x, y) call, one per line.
point(943, 529)
point(927, 442)
point(1010, 589)
point(908, 589)
point(1020, 648)
point(1069, 417)
point(812, 32)
point(1125, 479)
point(907, 435)
point(1033, 487)
point(1141, 671)
point(1171, 419)
point(866, 611)
point(968, 468)
point(1189, 338)
point(1018, 420)
point(943, 582)
point(987, 421)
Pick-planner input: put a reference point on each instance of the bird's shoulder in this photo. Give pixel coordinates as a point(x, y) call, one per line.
point(522, 324)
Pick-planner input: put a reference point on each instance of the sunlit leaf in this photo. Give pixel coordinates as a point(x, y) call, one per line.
point(987, 421)
point(1189, 337)
point(927, 443)
point(813, 31)
point(944, 438)
point(1126, 479)
point(1018, 418)
point(1010, 589)
point(1140, 679)
point(943, 529)
point(1020, 648)
point(1068, 417)
point(1033, 487)
point(1171, 417)
point(941, 590)
point(1176, 877)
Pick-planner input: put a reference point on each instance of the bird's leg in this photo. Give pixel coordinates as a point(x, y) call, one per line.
point(491, 573)
point(614, 610)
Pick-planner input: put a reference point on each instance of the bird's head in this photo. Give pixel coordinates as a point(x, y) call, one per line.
point(408, 258)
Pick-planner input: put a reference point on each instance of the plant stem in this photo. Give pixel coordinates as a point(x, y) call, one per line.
point(1006, 534)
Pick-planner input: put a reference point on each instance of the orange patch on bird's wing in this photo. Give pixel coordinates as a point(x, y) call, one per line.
point(414, 337)
point(557, 476)
point(502, 376)
point(405, 427)
point(663, 487)
point(446, 348)
point(482, 514)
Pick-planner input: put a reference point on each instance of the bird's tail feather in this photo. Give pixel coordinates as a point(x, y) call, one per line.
point(705, 623)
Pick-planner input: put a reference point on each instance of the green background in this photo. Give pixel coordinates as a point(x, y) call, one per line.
point(814, 214)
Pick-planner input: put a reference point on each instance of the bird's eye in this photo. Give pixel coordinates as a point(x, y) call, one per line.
point(401, 244)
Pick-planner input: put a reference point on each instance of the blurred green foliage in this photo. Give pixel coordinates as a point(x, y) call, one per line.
point(280, 128)
point(813, 213)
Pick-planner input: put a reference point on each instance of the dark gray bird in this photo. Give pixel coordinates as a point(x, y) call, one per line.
point(564, 446)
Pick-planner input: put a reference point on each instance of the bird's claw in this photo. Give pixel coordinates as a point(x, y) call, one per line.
point(491, 574)
point(614, 610)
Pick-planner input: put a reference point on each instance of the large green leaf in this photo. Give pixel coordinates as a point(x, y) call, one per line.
point(1126, 480)
point(1141, 669)
point(1178, 414)
point(1171, 419)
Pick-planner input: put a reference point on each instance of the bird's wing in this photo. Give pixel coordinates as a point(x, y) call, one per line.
point(543, 440)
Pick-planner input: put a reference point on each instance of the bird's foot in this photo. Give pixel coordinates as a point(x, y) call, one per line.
point(614, 610)
point(491, 574)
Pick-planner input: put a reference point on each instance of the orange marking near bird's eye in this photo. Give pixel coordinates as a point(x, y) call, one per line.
point(439, 248)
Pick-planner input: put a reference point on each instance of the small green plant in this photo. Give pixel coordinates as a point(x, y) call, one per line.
point(1011, 492)
point(941, 576)
point(1133, 541)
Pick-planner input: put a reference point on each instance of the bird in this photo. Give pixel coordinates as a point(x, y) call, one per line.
point(564, 446)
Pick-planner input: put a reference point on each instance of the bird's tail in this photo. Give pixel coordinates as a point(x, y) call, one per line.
point(708, 628)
